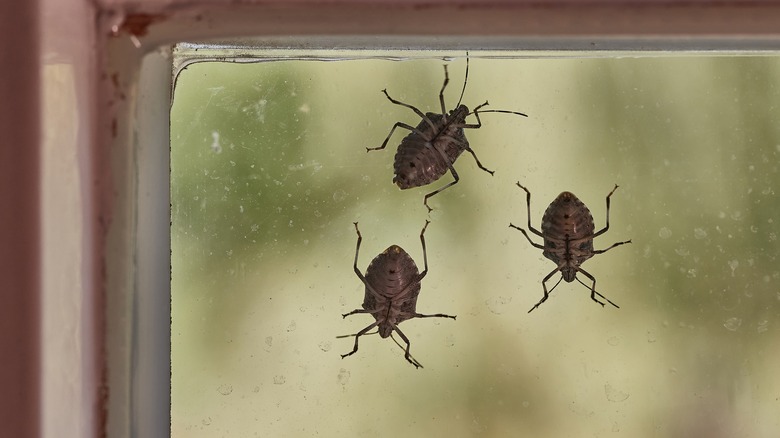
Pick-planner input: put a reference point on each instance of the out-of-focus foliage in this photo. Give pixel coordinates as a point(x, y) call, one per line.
point(269, 170)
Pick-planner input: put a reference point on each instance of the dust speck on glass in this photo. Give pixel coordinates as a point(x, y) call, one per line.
point(269, 171)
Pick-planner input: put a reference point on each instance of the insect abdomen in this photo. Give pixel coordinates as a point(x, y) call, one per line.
point(418, 162)
point(567, 218)
point(391, 271)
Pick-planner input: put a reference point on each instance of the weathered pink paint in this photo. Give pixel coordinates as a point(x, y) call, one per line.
point(104, 42)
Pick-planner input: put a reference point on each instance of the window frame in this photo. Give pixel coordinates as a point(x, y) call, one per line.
point(125, 98)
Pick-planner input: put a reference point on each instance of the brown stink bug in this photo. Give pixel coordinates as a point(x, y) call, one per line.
point(392, 285)
point(430, 150)
point(567, 230)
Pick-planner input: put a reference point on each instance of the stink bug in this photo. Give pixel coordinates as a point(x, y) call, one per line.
point(430, 150)
point(567, 230)
point(392, 285)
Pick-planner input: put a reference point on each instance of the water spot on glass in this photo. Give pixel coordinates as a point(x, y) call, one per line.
point(269, 340)
point(256, 389)
point(339, 195)
point(753, 229)
point(258, 108)
point(733, 323)
point(615, 427)
point(279, 380)
point(215, 146)
point(254, 227)
point(615, 395)
point(613, 341)
point(664, 233)
point(733, 264)
point(305, 108)
point(325, 346)
point(225, 389)
point(206, 421)
point(763, 326)
point(292, 326)
point(526, 403)
point(699, 233)
point(682, 252)
point(737, 215)
point(449, 340)
point(651, 336)
point(691, 273)
point(343, 376)
point(498, 305)
point(305, 242)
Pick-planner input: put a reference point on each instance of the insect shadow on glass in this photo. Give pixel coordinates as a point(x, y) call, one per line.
point(568, 232)
point(432, 147)
point(392, 285)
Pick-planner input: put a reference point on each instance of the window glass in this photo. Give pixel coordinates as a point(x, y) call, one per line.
point(269, 170)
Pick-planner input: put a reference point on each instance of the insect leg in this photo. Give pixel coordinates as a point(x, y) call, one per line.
point(536, 245)
point(408, 345)
point(361, 311)
point(603, 230)
point(357, 336)
point(438, 315)
point(528, 204)
point(417, 111)
point(468, 148)
point(454, 174)
point(599, 251)
point(357, 271)
point(402, 125)
point(593, 292)
point(441, 93)
point(425, 252)
point(405, 291)
point(544, 286)
point(476, 114)
point(400, 346)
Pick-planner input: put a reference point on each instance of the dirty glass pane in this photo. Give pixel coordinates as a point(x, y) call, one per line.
point(269, 171)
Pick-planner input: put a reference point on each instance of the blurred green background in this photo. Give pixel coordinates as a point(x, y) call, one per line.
point(269, 171)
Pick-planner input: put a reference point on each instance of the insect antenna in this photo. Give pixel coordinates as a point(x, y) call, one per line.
point(465, 81)
point(500, 111)
point(602, 296)
point(476, 110)
point(556, 285)
point(414, 361)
